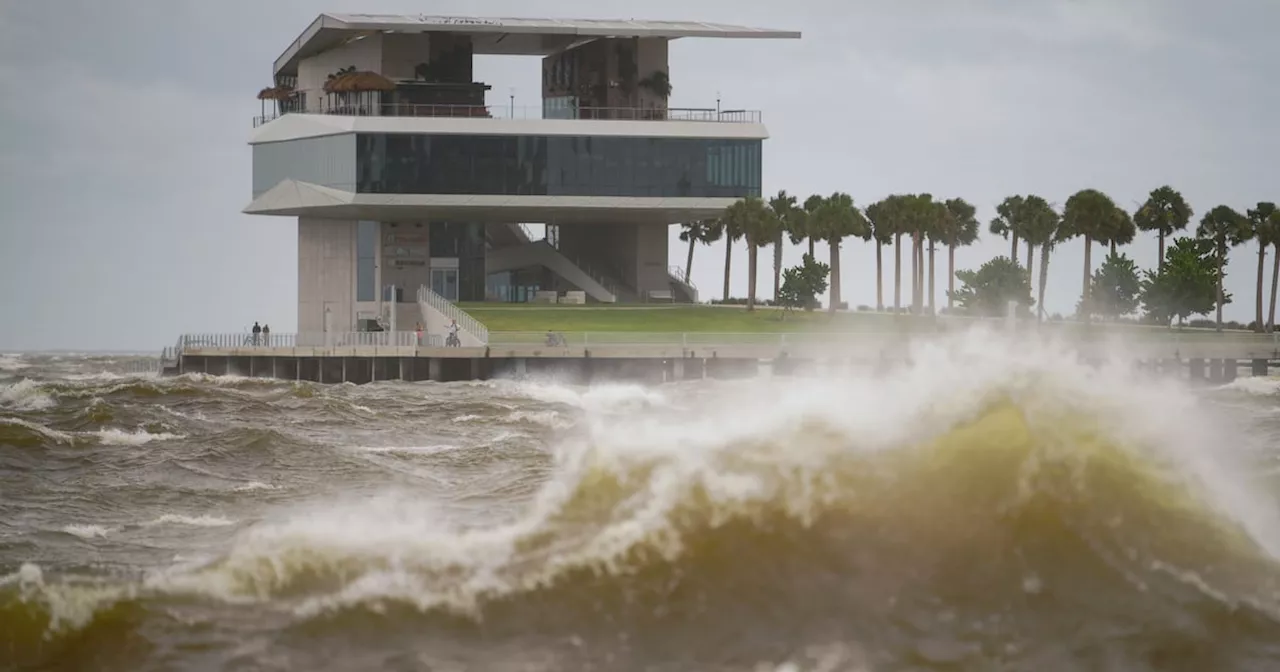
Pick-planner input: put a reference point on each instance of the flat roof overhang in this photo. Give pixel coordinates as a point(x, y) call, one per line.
point(502, 36)
point(292, 198)
point(296, 126)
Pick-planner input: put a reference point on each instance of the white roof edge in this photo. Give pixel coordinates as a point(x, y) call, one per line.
point(537, 26)
point(297, 126)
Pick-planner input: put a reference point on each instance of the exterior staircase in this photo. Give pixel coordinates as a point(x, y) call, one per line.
point(438, 312)
point(683, 288)
point(540, 253)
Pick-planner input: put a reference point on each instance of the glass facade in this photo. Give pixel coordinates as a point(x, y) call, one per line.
point(366, 259)
point(558, 165)
point(464, 242)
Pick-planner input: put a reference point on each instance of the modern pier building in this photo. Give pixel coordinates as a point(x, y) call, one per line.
point(376, 137)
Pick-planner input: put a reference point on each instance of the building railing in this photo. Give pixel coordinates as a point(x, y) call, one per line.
point(699, 114)
point(677, 272)
point(451, 311)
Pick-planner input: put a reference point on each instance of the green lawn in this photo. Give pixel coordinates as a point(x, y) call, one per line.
point(531, 317)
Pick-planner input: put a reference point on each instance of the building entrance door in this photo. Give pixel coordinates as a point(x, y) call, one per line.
point(444, 281)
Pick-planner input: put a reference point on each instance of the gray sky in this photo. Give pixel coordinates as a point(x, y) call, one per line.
point(124, 163)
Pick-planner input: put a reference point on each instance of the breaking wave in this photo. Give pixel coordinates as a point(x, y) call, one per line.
point(976, 506)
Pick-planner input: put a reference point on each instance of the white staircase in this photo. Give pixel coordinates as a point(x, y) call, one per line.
point(541, 253)
point(438, 312)
point(683, 284)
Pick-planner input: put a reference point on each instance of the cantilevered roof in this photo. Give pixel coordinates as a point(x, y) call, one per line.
point(509, 36)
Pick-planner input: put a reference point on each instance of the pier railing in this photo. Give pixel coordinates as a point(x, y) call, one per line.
point(309, 339)
point(1171, 342)
point(1162, 337)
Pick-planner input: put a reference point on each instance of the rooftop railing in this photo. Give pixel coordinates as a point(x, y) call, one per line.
point(699, 114)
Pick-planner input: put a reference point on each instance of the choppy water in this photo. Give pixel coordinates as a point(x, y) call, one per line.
point(989, 508)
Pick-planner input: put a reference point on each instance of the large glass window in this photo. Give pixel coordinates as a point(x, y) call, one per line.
point(366, 258)
point(560, 165)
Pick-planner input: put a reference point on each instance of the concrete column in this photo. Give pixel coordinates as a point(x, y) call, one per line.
point(1215, 370)
point(251, 362)
point(677, 369)
point(522, 367)
point(476, 369)
point(434, 372)
point(344, 369)
point(1230, 368)
point(1259, 367)
point(1197, 369)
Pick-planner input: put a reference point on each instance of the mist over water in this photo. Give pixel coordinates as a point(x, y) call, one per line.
point(990, 506)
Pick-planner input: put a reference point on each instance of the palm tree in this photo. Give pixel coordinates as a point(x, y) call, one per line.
point(835, 220)
point(705, 231)
point(1090, 214)
point(1273, 228)
point(1164, 212)
point(1225, 228)
point(881, 222)
point(1006, 223)
point(922, 216)
point(959, 227)
point(811, 205)
point(788, 215)
point(759, 226)
point(731, 232)
point(1262, 230)
point(895, 211)
point(1039, 227)
point(1124, 232)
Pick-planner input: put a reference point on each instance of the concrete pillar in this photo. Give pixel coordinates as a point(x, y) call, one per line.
point(434, 366)
point(1197, 369)
point(522, 367)
point(1215, 370)
point(399, 368)
point(677, 369)
point(476, 369)
point(1230, 368)
point(344, 369)
point(1259, 367)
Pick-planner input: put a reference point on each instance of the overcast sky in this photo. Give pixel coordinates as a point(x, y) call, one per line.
point(124, 163)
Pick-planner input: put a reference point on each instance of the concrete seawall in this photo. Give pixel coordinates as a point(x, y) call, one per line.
point(1211, 361)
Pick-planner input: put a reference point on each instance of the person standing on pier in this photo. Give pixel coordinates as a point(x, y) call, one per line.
point(257, 332)
point(266, 335)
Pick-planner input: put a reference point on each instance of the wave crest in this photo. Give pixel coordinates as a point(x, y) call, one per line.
point(986, 483)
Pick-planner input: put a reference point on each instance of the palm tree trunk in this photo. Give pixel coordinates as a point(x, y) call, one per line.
point(1275, 279)
point(897, 272)
point(1031, 256)
point(728, 263)
point(915, 273)
point(1262, 260)
point(1160, 259)
point(1013, 248)
point(1221, 262)
point(1088, 266)
point(1113, 248)
point(751, 274)
point(835, 274)
point(931, 285)
point(951, 276)
point(1044, 278)
point(920, 273)
point(777, 266)
point(688, 262)
point(811, 248)
point(879, 278)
